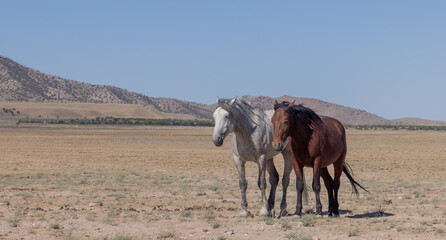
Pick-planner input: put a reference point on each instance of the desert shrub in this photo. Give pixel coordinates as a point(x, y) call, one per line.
point(166, 235)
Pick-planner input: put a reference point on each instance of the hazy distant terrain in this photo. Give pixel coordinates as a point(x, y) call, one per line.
point(35, 94)
point(22, 84)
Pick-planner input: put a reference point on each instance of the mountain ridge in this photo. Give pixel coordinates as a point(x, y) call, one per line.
point(19, 83)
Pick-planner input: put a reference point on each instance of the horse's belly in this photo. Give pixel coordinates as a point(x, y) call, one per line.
point(307, 162)
point(331, 157)
point(247, 156)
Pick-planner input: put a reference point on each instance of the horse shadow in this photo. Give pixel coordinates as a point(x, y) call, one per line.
point(372, 215)
point(311, 211)
point(363, 215)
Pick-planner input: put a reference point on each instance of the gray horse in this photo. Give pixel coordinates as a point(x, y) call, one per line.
point(251, 141)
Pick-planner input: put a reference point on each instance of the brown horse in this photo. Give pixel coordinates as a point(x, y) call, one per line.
point(315, 142)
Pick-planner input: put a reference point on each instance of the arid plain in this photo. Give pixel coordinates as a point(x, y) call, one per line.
point(122, 182)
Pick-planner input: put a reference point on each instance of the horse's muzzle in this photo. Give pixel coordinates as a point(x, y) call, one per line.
point(218, 142)
point(279, 146)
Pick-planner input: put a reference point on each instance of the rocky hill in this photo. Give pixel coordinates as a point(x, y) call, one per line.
point(68, 98)
point(22, 84)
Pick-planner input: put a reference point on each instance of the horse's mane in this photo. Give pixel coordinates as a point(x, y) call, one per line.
point(242, 104)
point(250, 111)
point(300, 114)
point(245, 105)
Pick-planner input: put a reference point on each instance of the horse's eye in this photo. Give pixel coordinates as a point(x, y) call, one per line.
point(226, 117)
point(286, 123)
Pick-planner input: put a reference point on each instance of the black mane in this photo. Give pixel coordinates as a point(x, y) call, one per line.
point(300, 114)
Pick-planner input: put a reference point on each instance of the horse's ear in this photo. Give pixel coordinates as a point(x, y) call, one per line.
point(291, 104)
point(220, 103)
point(232, 102)
point(275, 102)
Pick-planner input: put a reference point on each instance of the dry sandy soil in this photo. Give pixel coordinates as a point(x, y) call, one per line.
point(173, 183)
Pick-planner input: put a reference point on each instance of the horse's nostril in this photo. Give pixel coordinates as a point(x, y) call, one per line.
point(218, 141)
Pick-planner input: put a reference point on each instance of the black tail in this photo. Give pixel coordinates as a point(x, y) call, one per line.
point(349, 172)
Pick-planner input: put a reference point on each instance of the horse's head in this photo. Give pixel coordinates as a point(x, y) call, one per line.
point(224, 121)
point(281, 125)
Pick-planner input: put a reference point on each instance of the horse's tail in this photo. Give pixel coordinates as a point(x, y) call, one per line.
point(349, 172)
point(305, 192)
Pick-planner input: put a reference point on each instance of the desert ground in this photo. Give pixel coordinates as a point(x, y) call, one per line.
point(123, 182)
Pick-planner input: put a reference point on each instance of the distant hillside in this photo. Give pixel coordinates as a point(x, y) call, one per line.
point(35, 94)
point(417, 122)
point(20, 83)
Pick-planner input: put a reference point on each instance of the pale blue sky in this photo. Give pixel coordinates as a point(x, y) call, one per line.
point(386, 57)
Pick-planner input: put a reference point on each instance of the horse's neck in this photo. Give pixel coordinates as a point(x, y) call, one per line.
point(244, 127)
point(301, 134)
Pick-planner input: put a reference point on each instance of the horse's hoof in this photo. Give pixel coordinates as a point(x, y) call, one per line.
point(297, 216)
point(272, 213)
point(245, 214)
point(263, 213)
point(283, 212)
point(318, 215)
point(336, 215)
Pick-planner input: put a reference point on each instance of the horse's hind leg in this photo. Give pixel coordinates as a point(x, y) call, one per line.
point(317, 184)
point(338, 165)
point(240, 165)
point(274, 181)
point(328, 182)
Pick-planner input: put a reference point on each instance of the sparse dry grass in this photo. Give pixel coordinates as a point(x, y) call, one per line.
point(158, 180)
point(73, 110)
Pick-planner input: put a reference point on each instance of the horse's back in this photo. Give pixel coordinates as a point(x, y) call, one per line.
point(333, 125)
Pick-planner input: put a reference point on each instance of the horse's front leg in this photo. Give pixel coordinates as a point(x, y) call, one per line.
point(298, 169)
point(240, 165)
point(261, 182)
point(274, 181)
point(288, 167)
